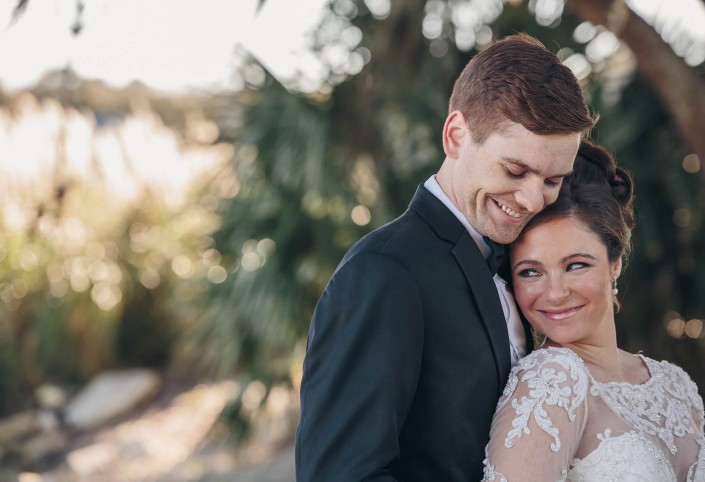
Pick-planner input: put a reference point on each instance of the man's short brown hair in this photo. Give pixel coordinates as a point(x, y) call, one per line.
point(517, 79)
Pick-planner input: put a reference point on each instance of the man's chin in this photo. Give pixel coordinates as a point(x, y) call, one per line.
point(505, 236)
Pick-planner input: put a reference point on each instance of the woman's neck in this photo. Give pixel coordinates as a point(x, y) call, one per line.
point(604, 359)
point(607, 363)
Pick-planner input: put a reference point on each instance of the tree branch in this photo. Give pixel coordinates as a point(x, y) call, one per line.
point(678, 86)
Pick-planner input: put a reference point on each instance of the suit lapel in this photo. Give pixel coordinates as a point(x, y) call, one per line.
point(475, 269)
point(484, 291)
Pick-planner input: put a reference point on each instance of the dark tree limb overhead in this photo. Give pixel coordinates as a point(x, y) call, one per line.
point(669, 76)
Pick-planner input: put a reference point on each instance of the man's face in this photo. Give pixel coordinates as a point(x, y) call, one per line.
point(501, 184)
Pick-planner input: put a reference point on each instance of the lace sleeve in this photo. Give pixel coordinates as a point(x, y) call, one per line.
point(690, 392)
point(539, 420)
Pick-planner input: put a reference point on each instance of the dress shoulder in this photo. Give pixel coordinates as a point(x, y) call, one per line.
point(543, 385)
point(676, 381)
point(563, 360)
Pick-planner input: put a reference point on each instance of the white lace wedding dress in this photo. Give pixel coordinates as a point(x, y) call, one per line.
point(555, 422)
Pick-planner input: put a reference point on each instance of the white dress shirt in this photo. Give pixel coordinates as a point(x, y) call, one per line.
point(515, 329)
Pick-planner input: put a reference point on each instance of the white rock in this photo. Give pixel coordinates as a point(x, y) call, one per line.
point(109, 395)
point(50, 396)
point(47, 420)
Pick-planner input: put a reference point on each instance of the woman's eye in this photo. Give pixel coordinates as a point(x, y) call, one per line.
point(574, 266)
point(528, 273)
point(552, 182)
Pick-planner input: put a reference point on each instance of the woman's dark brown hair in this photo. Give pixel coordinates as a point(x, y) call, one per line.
point(600, 194)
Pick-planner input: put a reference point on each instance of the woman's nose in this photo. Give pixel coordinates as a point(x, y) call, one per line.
point(557, 290)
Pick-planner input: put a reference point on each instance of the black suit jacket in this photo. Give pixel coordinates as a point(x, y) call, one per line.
point(407, 355)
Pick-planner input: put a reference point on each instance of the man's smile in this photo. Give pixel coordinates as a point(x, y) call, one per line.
point(508, 210)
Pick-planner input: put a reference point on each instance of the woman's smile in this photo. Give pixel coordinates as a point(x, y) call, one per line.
point(562, 313)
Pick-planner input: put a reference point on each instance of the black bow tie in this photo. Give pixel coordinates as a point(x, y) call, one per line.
point(498, 253)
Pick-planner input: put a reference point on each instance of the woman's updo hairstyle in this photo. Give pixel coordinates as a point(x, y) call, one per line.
point(600, 194)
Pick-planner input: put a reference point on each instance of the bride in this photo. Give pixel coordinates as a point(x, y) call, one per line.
point(579, 408)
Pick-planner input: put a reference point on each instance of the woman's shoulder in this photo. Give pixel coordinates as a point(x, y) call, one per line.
point(554, 368)
point(551, 355)
point(674, 379)
point(549, 387)
point(663, 367)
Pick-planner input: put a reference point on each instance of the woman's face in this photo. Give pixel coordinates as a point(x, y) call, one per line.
point(563, 281)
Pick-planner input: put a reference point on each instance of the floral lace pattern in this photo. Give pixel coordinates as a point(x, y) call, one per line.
point(660, 407)
point(489, 472)
point(654, 420)
point(626, 458)
point(547, 386)
point(491, 475)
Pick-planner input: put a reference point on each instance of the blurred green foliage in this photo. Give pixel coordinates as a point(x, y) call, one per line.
point(226, 281)
point(99, 266)
point(304, 155)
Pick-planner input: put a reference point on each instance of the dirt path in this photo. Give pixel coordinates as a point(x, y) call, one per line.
point(279, 469)
point(173, 440)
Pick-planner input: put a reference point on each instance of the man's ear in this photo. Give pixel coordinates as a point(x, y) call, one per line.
point(455, 131)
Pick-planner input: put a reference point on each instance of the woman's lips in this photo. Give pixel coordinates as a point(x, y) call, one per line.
point(562, 314)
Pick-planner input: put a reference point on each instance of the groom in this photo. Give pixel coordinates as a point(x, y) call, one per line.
point(414, 336)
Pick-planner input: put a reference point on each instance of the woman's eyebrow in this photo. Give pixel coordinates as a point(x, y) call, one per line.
point(534, 262)
point(578, 255)
point(530, 262)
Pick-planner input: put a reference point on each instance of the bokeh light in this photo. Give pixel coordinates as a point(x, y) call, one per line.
point(361, 215)
point(691, 163)
point(682, 217)
point(694, 328)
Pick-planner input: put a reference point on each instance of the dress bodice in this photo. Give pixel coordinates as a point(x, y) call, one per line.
point(555, 422)
point(627, 458)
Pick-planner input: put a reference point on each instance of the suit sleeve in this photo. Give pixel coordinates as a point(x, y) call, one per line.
point(360, 373)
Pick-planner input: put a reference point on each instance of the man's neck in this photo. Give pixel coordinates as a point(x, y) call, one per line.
point(436, 189)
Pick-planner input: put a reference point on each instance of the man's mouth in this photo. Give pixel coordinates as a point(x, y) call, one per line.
point(508, 210)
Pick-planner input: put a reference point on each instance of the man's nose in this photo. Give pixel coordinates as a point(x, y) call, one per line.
point(531, 197)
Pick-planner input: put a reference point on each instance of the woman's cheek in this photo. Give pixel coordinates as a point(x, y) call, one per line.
point(525, 293)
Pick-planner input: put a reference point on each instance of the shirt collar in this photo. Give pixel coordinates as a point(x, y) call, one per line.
point(434, 188)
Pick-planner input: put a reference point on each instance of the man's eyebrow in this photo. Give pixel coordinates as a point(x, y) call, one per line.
point(526, 167)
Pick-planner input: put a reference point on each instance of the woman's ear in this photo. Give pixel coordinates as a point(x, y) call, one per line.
point(455, 131)
point(617, 268)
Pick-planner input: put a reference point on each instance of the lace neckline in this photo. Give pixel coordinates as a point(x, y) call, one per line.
point(645, 384)
point(650, 365)
point(646, 406)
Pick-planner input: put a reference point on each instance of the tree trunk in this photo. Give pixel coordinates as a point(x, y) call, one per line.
point(675, 83)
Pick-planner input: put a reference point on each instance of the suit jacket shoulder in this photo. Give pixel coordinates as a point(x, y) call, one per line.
point(408, 354)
